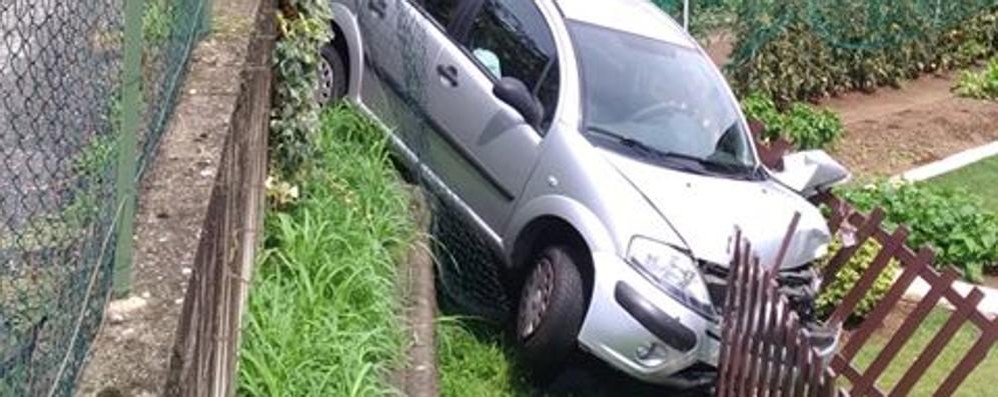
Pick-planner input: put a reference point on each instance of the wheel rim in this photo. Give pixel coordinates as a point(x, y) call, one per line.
point(324, 92)
point(535, 298)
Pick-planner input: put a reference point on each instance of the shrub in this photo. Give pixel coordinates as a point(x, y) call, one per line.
point(798, 50)
point(303, 26)
point(847, 277)
point(979, 85)
point(951, 222)
point(803, 125)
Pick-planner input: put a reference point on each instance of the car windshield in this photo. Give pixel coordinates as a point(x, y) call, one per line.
point(659, 100)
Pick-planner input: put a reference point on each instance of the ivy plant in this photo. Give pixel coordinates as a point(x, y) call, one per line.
point(303, 28)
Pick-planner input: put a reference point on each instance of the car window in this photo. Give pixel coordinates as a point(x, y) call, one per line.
point(510, 38)
point(443, 11)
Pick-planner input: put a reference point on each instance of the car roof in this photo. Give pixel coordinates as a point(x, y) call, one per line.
point(639, 17)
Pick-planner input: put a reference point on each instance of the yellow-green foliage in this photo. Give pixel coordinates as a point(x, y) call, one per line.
point(831, 295)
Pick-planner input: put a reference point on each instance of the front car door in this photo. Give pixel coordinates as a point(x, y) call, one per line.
point(483, 149)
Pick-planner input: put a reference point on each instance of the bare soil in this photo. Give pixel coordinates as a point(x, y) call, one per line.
point(130, 356)
point(991, 278)
point(893, 130)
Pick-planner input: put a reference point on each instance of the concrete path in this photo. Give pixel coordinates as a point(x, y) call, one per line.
point(951, 163)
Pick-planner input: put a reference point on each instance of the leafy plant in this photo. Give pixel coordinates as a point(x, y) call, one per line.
point(797, 50)
point(157, 23)
point(951, 222)
point(979, 85)
point(303, 27)
point(803, 125)
point(831, 295)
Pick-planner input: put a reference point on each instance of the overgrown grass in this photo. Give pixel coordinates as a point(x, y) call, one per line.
point(977, 384)
point(474, 362)
point(979, 179)
point(324, 311)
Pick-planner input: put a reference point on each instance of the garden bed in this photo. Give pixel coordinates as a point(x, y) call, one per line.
point(893, 130)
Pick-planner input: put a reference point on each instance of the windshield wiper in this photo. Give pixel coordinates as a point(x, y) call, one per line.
point(625, 140)
point(687, 163)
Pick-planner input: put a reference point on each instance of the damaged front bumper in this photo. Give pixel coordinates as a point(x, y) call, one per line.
point(636, 327)
point(639, 329)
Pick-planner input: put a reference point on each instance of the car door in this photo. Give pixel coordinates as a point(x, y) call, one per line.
point(484, 150)
point(402, 39)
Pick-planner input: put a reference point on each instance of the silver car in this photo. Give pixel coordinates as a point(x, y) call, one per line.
point(598, 152)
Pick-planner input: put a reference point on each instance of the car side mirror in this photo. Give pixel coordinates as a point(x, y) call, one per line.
point(514, 93)
point(811, 171)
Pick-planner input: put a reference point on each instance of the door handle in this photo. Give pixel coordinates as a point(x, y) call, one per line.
point(378, 7)
point(448, 74)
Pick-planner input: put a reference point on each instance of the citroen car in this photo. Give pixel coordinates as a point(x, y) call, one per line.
point(598, 153)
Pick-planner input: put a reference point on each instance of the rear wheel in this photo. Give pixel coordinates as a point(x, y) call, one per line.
point(550, 312)
point(332, 85)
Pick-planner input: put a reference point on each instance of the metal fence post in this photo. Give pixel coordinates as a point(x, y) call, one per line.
point(686, 15)
point(207, 12)
point(127, 150)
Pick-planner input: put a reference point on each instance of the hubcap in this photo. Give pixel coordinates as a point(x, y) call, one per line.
point(324, 92)
point(535, 298)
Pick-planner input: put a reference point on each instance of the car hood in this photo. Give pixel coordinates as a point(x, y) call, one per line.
point(707, 211)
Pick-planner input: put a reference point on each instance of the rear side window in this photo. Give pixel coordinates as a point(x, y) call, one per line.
point(511, 39)
point(443, 11)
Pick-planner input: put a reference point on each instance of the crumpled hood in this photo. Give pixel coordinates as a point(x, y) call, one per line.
point(707, 211)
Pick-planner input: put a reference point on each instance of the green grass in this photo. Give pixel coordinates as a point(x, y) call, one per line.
point(474, 362)
point(324, 311)
point(977, 384)
point(980, 179)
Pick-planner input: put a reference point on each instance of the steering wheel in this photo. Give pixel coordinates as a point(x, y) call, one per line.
point(654, 110)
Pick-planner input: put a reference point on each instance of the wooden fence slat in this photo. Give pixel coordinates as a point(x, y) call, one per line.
point(840, 211)
point(869, 276)
point(764, 281)
point(903, 333)
point(803, 365)
point(975, 355)
point(931, 352)
point(865, 231)
point(880, 311)
point(745, 356)
point(766, 352)
point(976, 317)
point(741, 308)
point(777, 351)
point(756, 312)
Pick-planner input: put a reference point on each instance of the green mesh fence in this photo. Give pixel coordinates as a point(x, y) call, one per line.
point(61, 64)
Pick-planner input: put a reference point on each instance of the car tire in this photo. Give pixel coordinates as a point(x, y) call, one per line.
point(332, 81)
point(550, 312)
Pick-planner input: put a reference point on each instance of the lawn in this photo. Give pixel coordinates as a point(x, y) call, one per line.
point(979, 179)
point(977, 384)
point(324, 309)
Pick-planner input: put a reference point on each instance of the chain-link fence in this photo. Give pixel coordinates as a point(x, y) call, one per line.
point(61, 65)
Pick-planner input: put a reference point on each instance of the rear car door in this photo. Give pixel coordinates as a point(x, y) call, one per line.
point(402, 39)
point(484, 150)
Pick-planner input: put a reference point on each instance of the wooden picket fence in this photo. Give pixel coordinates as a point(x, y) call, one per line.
point(915, 265)
point(757, 323)
point(765, 350)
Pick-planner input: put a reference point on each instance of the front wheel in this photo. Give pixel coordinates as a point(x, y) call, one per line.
point(332, 85)
point(550, 312)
